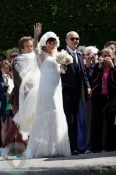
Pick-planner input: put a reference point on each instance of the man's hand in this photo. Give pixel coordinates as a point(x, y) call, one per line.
point(89, 92)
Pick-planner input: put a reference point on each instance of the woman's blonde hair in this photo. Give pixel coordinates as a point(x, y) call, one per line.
point(14, 49)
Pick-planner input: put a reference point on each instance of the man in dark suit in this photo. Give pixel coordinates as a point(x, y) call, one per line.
point(71, 83)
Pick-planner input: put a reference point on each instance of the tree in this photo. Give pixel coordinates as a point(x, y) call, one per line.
point(94, 21)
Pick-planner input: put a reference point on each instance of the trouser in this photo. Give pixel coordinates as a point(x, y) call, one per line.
point(81, 127)
point(98, 124)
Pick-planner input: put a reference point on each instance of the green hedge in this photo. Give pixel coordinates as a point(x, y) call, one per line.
point(93, 20)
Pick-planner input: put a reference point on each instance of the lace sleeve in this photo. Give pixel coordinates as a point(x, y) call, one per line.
point(40, 56)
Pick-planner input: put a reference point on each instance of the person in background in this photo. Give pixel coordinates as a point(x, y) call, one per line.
point(2, 58)
point(12, 54)
point(91, 53)
point(81, 49)
point(91, 60)
point(6, 87)
point(112, 46)
point(91, 56)
point(103, 81)
point(25, 46)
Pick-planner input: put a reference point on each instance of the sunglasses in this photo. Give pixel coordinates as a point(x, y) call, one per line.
point(107, 55)
point(13, 56)
point(72, 39)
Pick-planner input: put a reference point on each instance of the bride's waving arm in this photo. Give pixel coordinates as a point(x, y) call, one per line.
point(37, 32)
point(37, 49)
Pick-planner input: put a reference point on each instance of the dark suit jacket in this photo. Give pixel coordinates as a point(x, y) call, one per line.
point(96, 81)
point(3, 98)
point(3, 87)
point(74, 75)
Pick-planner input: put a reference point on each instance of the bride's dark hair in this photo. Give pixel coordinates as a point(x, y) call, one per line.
point(51, 40)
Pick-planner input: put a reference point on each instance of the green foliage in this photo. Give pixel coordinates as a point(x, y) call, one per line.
point(94, 21)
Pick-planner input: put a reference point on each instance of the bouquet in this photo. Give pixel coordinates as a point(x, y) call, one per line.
point(64, 58)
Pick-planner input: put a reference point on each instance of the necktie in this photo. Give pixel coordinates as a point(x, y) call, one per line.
point(75, 57)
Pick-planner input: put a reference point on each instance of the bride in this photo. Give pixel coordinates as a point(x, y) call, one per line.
point(49, 132)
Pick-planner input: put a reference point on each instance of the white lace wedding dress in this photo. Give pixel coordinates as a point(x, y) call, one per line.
point(49, 133)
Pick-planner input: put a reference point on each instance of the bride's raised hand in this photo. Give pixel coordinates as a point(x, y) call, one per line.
point(37, 29)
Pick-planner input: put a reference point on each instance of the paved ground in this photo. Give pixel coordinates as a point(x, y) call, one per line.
point(83, 164)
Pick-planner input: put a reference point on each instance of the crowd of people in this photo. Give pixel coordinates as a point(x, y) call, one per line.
point(58, 109)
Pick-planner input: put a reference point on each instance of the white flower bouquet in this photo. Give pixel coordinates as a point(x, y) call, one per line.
point(64, 58)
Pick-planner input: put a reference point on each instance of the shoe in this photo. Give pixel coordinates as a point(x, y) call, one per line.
point(87, 151)
point(81, 151)
point(74, 152)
